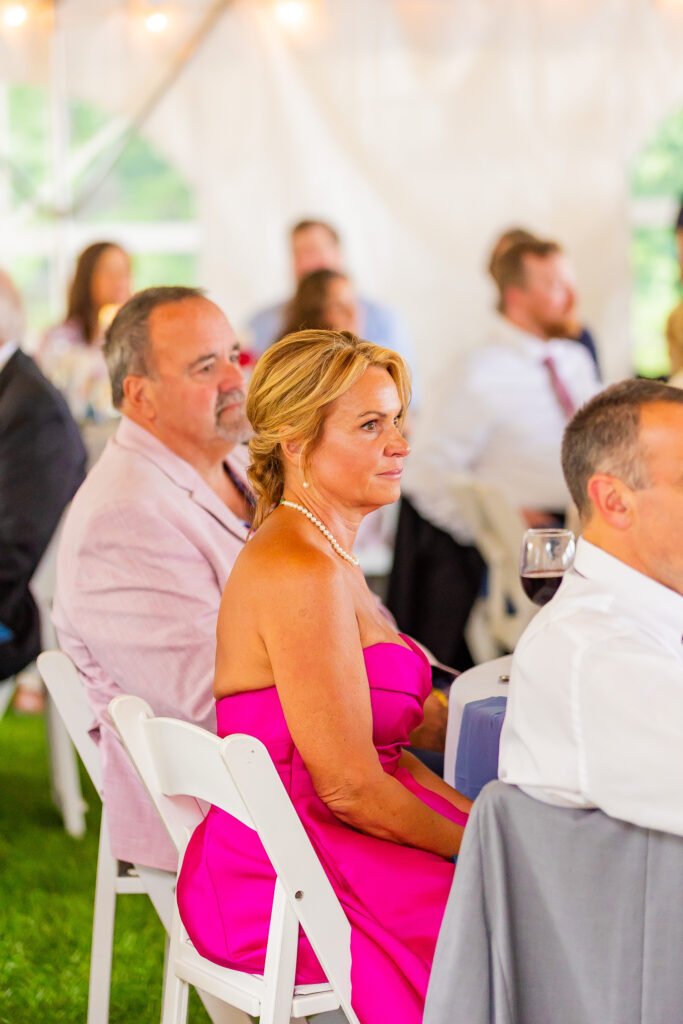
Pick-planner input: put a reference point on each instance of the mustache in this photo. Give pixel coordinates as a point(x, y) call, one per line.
point(231, 397)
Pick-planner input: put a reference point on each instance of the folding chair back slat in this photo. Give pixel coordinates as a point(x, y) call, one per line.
point(294, 859)
point(66, 690)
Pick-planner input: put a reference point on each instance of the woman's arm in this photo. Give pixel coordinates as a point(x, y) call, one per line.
point(307, 622)
point(422, 774)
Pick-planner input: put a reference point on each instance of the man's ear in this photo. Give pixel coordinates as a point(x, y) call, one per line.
point(137, 397)
point(612, 500)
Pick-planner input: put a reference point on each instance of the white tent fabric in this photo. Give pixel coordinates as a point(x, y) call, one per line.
point(420, 127)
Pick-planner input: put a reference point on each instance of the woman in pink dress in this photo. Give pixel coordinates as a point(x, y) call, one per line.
point(309, 664)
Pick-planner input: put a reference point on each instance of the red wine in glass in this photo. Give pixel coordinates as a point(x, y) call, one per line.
point(547, 553)
point(541, 585)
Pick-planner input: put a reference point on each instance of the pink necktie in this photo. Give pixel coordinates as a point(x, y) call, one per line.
point(561, 393)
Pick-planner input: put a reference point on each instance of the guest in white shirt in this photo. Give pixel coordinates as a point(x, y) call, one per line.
point(496, 416)
point(595, 711)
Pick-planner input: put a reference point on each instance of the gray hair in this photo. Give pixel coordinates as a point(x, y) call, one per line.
point(602, 437)
point(126, 347)
point(11, 311)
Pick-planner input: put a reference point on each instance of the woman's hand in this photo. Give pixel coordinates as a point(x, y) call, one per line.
point(431, 734)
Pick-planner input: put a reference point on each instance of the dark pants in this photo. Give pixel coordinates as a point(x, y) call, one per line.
point(433, 585)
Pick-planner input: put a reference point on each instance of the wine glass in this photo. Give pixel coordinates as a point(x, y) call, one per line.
point(545, 556)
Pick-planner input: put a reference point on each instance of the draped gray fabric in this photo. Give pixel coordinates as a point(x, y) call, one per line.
point(559, 916)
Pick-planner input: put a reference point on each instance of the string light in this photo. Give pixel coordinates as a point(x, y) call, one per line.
point(291, 13)
point(15, 15)
point(156, 21)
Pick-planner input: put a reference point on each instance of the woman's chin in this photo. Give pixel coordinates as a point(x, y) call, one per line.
point(385, 494)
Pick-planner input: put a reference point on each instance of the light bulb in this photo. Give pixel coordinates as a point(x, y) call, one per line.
point(156, 21)
point(15, 15)
point(291, 13)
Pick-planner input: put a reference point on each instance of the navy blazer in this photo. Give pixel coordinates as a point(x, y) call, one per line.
point(42, 463)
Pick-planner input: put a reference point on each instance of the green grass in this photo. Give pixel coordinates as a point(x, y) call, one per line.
point(47, 884)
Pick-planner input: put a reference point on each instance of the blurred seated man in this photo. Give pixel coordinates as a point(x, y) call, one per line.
point(42, 462)
point(497, 415)
point(316, 245)
point(573, 329)
point(153, 534)
point(595, 712)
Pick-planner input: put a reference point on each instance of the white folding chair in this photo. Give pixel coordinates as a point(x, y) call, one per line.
point(498, 619)
point(68, 695)
point(176, 760)
point(64, 779)
point(489, 679)
point(66, 692)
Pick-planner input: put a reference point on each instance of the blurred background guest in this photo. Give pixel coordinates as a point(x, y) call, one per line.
point(324, 299)
point(679, 237)
point(316, 245)
point(572, 329)
point(42, 463)
point(71, 352)
point(674, 340)
point(497, 417)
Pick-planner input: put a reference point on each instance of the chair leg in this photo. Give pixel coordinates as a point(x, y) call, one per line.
point(280, 966)
point(7, 688)
point(160, 887)
point(174, 1010)
point(102, 930)
point(66, 784)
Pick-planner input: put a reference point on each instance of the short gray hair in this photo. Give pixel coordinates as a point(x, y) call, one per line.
point(126, 347)
point(11, 311)
point(602, 437)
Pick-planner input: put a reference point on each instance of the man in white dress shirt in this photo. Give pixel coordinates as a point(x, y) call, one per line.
point(496, 416)
point(595, 711)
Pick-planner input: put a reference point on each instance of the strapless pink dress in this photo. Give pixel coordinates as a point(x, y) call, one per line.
point(394, 896)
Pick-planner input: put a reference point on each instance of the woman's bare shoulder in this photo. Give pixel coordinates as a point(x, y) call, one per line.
point(280, 558)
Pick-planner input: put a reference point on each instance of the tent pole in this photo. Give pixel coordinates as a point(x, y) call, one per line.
point(149, 104)
point(59, 139)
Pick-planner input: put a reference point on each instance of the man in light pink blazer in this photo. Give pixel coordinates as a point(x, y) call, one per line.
point(152, 535)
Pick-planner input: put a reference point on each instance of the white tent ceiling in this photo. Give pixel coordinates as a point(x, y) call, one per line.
point(420, 127)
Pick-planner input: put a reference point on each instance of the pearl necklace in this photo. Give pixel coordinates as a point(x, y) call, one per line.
point(323, 529)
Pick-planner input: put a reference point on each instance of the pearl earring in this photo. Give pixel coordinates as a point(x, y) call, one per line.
point(304, 481)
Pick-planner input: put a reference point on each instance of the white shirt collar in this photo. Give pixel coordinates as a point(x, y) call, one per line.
point(528, 344)
point(7, 351)
point(647, 600)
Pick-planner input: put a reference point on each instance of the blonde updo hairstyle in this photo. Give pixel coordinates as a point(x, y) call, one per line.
point(291, 388)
